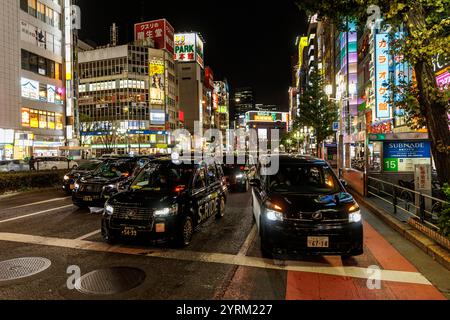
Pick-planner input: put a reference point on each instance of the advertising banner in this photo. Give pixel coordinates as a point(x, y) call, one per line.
point(188, 48)
point(29, 89)
point(157, 117)
point(160, 31)
point(402, 156)
point(157, 89)
point(382, 108)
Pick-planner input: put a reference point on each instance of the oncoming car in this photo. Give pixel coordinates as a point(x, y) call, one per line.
point(166, 201)
point(305, 209)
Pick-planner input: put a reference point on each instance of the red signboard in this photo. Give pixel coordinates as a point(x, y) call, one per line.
point(181, 116)
point(160, 31)
point(209, 78)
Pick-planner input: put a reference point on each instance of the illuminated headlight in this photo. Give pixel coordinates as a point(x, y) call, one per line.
point(273, 215)
point(109, 209)
point(76, 185)
point(66, 177)
point(239, 176)
point(354, 214)
point(164, 212)
point(111, 186)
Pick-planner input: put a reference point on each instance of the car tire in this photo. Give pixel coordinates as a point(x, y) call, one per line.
point(185, 232)
point(107, 237)
point(221, 208)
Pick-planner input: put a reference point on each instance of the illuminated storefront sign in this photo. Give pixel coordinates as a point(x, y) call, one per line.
point(29, 89)
point(381, 127)
point(401, 156)
point(157, 117)
point(382, 107)
point(188, 48)
point(51, 91)
point(264, 116)
point(41, 119)
point(6, 136)
point(157, 88)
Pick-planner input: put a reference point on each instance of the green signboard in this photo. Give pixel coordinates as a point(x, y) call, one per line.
point(390, 164)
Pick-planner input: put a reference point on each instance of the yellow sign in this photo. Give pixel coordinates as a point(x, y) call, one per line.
point(263, 118)
point(161, 146)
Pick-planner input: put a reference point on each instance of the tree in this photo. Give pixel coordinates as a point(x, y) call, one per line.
point(108, 140)
point(316, 109)
point(427, 24)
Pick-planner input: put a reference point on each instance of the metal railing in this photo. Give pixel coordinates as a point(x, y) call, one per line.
point(423, 207)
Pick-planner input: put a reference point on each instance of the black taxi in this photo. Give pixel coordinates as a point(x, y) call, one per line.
point(166, 201)
point(108, 178)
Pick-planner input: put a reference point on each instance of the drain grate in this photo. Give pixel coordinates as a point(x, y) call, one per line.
point(22, 267)
point(110, 280)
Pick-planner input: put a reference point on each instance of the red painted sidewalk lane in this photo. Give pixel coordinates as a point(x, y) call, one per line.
point(314, 286)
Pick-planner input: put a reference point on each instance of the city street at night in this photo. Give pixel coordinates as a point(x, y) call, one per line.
point(223, 260)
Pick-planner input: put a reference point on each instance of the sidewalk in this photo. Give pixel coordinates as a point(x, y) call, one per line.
point(399, 222)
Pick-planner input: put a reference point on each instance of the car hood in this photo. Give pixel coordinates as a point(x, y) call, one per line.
point(294, 203)
point(99, 180)
point(141, 199)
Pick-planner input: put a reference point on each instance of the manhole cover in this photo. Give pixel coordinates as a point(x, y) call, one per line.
point(22, 267)
point(110, 280)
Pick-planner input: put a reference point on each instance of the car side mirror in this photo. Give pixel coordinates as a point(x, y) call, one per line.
point(344, 183)
point(255, 183)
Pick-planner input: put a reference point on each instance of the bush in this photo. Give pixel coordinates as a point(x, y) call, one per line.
point(444, 217)
point(27, 180)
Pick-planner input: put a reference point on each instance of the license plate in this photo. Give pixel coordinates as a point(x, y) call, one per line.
point(129, 231)
point(318, 242)
point(72, 186)
point(87, 198)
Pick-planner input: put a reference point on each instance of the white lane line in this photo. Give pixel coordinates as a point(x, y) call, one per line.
point(248, 241)
point(88, 235)
point(35, 213)
point(220, 258)
point(39, 202)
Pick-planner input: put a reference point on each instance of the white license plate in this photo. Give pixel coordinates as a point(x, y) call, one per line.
point(87, 198)
point(318, 242)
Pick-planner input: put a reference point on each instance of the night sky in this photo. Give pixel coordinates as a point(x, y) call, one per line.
point(248, 42)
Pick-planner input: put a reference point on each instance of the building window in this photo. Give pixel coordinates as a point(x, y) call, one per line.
point(51, 120)
point(24, 5)
point(32, 7)
point(59, 121)
point(41, 11)
point(49, 16)
point(25, 117)
point(43, 119)
point(34, 119)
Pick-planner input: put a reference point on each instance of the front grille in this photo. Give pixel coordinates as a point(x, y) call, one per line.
point(328, 216)
point(132, 216)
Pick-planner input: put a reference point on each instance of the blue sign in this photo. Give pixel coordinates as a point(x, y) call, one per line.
point(406, 149)
point(335, 126)
point(382, 108)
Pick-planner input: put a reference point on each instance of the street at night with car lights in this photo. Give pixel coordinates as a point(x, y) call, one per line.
point(209, 159)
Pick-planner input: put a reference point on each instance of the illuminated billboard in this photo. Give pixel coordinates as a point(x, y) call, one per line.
point(160, 31)
point(189, 48)
point(29, 89)
point(262, 116)
point(157, 117)
point(382, 108)
point(157, 88)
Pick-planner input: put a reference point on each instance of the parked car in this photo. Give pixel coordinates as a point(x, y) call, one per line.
point(304, 208)
point(166, 201)
point(112, 176)
point(85, 168)
point(54, 163)
point(13, 166)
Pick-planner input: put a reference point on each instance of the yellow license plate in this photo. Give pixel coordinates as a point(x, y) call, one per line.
point(318, 242)
point(129, 231)
point(87, 198)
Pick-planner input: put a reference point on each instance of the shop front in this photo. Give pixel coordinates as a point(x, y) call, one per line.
point(6, 144)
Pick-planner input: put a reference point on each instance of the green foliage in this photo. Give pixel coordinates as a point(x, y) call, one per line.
point(27, 180)
point(316, 110)
point(444, 217)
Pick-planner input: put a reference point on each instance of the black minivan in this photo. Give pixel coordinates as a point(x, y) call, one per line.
point(304, 208)
point(166, 201)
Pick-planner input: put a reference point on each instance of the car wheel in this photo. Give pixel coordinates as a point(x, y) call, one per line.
point(185, 232)
point(106, 234)
point(221, 208)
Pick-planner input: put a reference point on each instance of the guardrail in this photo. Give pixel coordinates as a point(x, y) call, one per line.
point(415, 204)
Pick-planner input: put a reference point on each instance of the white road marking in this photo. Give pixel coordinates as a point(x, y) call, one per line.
point(221, 258)
point(39, 202)
point(35, 213)
point(88, 235)
point(248, 241)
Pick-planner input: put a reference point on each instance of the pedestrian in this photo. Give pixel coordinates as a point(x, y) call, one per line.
point(31, 163)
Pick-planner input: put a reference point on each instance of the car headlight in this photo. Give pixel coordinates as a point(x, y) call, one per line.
point(109, 209)
point(239, 176)
point(66, 177)
point(164, 212)
point(354, 214)
point(273, 215)
point(76, 185)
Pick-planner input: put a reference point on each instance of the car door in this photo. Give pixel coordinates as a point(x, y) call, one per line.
point(259, 195)
point(199, 196)
point(214, 189)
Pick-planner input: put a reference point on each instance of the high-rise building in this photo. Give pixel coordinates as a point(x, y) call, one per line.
point(32, 78)
point(244, 101)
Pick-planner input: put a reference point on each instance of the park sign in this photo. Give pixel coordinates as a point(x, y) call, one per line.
point(402, 156)
point(188, 48)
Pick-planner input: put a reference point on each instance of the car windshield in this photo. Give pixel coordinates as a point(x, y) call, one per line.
point(303, 179)
point(89, 165)
point(112, 169)
point(164, 177)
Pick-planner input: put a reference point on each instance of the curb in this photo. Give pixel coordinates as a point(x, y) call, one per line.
point(429, 246)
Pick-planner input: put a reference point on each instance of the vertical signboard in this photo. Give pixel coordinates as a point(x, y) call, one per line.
point(189, 48)
point(382, 109)
point(157, 89)
point(160, 31)
point(199, 51)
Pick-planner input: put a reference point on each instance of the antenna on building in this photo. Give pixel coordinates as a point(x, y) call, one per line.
point(114, 34)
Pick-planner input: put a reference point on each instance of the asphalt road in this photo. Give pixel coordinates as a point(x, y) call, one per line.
point(222, 262)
